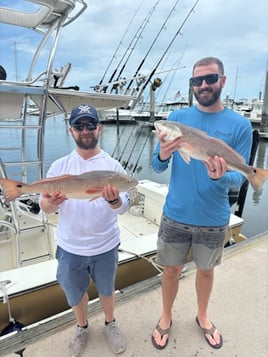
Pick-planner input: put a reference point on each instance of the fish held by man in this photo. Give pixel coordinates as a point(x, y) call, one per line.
point(199, 145)
point(88, 185)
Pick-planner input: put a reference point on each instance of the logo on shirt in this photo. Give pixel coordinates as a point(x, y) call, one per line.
point(221, 134)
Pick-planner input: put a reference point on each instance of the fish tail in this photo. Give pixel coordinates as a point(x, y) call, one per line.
point(12, 189)
point(257, 178)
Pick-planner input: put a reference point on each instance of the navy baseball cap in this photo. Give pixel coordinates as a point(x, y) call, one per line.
point(84, 111)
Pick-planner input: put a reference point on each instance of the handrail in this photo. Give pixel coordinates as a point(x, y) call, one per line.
point(84, 7)
point(23, 83)
point(8, 225)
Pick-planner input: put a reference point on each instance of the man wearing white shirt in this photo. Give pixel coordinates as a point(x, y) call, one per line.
point(88, 235)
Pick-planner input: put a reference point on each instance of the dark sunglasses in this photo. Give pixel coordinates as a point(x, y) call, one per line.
point(89, 126)
point(209, 79)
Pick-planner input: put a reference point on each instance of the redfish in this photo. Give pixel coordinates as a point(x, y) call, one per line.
point(85, 186)
point(199, 145)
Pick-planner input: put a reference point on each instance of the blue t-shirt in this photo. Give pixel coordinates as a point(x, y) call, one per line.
point(193, 197)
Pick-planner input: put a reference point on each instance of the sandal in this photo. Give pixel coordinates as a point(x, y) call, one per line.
point(162, 332)
point(210, 332)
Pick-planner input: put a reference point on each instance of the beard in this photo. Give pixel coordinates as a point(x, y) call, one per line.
point(86, 143)
point(211, 96)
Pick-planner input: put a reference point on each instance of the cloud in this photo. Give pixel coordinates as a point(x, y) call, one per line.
point(231, 30)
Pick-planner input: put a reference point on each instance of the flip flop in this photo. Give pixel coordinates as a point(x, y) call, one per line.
point(210, 332)
point(162, 332)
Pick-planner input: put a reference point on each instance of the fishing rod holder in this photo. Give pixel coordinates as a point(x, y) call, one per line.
point(3, 289)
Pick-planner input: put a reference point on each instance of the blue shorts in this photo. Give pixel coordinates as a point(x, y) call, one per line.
point(74, 272)
point(177, 241)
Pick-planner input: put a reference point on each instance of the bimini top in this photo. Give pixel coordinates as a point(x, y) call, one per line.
point(47, 13)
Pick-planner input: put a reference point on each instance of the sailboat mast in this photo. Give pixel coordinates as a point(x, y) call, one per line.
point(16, 61)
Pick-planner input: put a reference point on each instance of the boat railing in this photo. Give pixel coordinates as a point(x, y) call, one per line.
point(16, 96)
point(57, 79)
point(13, 221)
point(22, 148)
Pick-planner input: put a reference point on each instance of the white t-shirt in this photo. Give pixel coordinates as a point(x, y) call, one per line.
point(87, 227)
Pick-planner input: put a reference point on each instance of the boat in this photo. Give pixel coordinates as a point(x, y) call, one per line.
point(112, 116)
point(137, 310)
point(47, 86)
point(25, 106)
point(250, 109)
point(27, 236)
point(160, 112)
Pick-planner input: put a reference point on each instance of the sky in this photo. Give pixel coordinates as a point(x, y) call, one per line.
point(118, 37)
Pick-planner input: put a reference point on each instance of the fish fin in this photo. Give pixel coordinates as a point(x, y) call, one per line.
point(257, 178)
point(185, 156)
point(185, 152)
point(51, 179)
point(12, 189)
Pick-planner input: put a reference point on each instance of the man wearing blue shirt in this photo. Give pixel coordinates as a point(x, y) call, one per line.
point(196, 211)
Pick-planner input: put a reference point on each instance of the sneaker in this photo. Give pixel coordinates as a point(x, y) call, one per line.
point(78, 341)
point(115, 337)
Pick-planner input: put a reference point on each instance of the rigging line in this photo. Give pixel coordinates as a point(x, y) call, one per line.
point(120, 43)
point(176, 64)
point(123, 151)
point(153, 43)
point(132, 150)
point(165, 52)
point(133, 43)
point(165, 78)
point(159, 90)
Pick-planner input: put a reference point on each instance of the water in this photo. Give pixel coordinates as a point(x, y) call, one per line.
point(133, 146)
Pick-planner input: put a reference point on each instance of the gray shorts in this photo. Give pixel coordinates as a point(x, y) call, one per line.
point(176, 241)
point(74, 271)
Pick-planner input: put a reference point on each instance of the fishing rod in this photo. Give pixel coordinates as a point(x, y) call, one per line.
point(139, 157)
point(165, 52)
point(119, 139)
point(153, 43)
point(132, 130)
point(97, 87)
point(132, 150)
point(120, 43)
point(133, 43)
